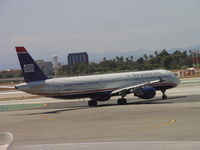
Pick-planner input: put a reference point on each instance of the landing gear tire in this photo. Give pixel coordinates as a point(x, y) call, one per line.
point(121, 101)
point(92, 103)
point(164, 97)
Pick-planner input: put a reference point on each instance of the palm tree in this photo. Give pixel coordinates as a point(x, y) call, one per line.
point(145, 57)
point(156, 53)
point(131, 57)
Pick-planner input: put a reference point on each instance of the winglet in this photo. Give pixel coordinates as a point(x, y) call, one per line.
point(6, 141)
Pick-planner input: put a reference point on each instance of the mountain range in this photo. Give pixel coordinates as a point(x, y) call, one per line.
point(98, 56)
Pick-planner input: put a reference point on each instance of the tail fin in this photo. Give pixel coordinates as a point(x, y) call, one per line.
point(30, 69)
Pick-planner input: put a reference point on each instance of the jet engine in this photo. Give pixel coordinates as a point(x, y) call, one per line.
point(145, 93)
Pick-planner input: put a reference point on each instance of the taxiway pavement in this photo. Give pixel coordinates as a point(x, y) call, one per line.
point(59, 124)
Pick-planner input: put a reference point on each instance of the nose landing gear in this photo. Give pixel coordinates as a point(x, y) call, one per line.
point(164, 96)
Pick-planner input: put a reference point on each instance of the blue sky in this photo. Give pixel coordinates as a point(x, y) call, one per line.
point(49, 27)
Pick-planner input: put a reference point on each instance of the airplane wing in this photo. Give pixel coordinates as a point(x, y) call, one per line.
point(132, 89)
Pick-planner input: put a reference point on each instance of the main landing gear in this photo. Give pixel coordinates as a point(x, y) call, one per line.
point(121, 101)
point(164, 96)
point(92, 103)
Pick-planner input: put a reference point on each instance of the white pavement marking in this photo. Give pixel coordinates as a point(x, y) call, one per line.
point(34, 101)
point(8, 93)
point(157, 145)
point(190, 80)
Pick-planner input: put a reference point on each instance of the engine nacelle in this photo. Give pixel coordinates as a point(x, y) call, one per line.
point(145, 93)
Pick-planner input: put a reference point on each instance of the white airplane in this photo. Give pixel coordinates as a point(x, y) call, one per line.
point(142, 84)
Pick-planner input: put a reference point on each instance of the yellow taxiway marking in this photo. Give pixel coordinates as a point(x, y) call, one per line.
point(47, 118)
point(148, 127)
point(160, 125)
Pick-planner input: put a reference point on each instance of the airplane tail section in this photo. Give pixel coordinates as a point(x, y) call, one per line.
point(30, 69)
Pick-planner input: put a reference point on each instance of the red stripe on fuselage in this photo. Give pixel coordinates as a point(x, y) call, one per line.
point(78, 92)
point(21, 50)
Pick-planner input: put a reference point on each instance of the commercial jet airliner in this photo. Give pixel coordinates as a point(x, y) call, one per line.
point(142, 84)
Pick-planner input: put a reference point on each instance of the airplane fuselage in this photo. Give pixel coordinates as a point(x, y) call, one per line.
point(97, 86)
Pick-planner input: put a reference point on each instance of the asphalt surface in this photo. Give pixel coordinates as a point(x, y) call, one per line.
point(155, 124)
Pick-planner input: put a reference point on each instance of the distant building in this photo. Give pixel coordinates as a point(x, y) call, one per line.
point(10, 73)
point(46, 67)
point(74, 58)
point(56, 65)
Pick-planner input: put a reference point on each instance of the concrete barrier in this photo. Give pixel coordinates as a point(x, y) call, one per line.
point(6, 139)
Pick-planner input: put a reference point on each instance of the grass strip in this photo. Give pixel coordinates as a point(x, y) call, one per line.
point(4, 108)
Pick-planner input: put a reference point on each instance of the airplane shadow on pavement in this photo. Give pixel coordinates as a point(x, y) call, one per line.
point(73, 108)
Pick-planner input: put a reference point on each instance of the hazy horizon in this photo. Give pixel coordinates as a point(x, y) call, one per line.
point(48, 27)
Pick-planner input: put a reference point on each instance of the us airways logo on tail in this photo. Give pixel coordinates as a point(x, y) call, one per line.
point(29, 68)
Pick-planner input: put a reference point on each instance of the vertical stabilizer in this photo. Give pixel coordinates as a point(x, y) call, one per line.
point(30, 69)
